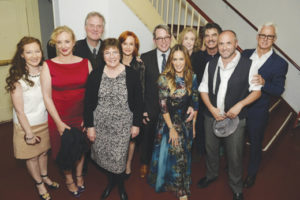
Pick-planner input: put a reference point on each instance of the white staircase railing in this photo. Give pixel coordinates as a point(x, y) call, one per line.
point(178, 14)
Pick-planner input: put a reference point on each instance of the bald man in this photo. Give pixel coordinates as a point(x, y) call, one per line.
point(226, 90)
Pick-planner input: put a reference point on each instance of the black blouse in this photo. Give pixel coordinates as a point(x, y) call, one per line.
point(135, 100)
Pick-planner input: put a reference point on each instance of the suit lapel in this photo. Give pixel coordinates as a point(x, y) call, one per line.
point(155, 63)
point(266, 66)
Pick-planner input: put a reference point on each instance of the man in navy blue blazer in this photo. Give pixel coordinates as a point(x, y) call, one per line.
point(271, 73)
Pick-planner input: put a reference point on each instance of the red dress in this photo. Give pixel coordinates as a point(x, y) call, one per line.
point(68, 89)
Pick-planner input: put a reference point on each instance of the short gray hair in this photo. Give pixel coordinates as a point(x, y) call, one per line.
point(93, 14)
point(162, 26)
point(268, 24)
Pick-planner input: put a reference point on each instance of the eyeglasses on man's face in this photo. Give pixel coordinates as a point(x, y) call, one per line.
point(269, 37)
point(160, 39)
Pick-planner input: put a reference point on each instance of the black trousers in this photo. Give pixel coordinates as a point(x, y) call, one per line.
point(147, 140)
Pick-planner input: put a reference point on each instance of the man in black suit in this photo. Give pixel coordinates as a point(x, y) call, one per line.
point(90, 46)
point(154, 61)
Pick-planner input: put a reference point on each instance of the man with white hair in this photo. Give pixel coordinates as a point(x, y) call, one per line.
point(270, 70)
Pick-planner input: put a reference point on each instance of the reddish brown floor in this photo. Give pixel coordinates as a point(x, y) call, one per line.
point(278, 179)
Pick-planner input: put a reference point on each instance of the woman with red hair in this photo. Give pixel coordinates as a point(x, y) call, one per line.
point(130, 50)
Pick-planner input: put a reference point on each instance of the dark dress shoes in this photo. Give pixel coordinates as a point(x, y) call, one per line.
point(106, 192)
point(123, 195)
point(238, 196)
point(249, 181)
point(204, 182)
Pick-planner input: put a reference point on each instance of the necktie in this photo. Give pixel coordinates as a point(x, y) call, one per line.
point(94, 53)
point(163, 62)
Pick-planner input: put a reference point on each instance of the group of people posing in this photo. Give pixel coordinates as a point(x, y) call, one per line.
point(103, 91)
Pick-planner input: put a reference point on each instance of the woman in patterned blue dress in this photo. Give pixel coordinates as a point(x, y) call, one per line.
point(170, 168)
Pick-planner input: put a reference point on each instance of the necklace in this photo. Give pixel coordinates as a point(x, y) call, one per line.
point(34, 76)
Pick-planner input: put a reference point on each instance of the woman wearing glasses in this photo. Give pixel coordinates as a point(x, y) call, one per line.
point(112, 114)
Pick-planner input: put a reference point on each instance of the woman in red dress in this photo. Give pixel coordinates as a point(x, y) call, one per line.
point(63, 81)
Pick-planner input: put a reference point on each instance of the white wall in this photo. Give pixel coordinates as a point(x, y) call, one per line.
point(118, 18)
point(285, 13)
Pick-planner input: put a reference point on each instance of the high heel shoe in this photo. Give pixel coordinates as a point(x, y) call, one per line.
point(81, 188)
point(74, 193)
point(54, 184)
point(45, 196)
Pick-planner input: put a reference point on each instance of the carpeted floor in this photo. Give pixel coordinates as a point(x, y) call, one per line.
point(278, 179)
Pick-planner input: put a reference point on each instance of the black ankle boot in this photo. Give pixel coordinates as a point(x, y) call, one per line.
point(122, 192)
point(109, 187)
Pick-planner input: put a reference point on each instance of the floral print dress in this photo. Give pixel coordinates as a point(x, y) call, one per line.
point(170, 168)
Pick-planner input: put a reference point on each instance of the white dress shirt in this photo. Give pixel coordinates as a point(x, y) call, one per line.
point(160, 58)
point(225, 74)
point(257, 61)
point(92, 48)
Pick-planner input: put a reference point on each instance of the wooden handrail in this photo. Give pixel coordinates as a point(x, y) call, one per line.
point(4, 62)
point(207, 18)
point(255, 28)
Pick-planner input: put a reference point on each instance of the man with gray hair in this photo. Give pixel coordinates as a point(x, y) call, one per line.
point(89, 47)
point(270, 71)
point(226, 91)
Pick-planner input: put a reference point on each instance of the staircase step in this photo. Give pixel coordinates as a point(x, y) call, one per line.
point(280, 115)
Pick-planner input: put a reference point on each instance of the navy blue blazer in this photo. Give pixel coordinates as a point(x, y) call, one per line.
point(273, 71)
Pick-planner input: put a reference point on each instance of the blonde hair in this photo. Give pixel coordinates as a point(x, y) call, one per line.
point(58, 31)
point(170, 72)
point(197, 45)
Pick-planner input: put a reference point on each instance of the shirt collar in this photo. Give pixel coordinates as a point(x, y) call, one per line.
point(266, 55)
point(233, 63)
point(159, 53)
point(92, 48)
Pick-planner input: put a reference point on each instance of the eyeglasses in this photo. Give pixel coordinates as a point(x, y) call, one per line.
point(160, 39)
point(269, 37)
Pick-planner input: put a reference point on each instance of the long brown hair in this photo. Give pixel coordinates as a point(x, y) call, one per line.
point(170, 72)
point(18, 67)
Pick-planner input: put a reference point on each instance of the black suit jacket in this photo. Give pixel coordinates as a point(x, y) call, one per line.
point(151, 101)
point(82, 49)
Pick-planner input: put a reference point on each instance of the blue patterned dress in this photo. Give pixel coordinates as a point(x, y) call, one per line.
point(170, 168)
